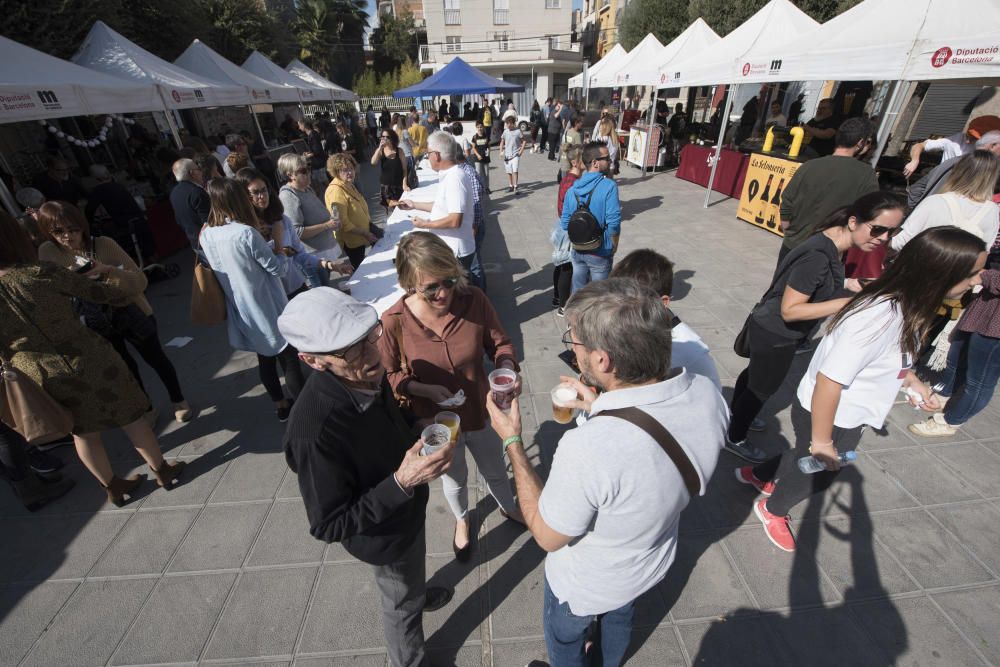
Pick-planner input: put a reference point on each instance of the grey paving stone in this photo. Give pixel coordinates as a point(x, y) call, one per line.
point(220, 537)
point(975, 612)
point(285, 537)
point(702, 582)
point(345, 612)
point(986, 424)
point(975, 465)
point(777, 578)
point(926, 551)
point(975, 525)
point(518, 652)
point(460, 621)
point(658, 649)
point(25, 611)
point(146, 543)
point(516, 589)
point(716, 643)
point(176, 622)
point(858, 566)
point(248, 628)
point(289, 486)
point(58, 547)
point(194, 491)
point(91, 623)
point(251, 477)
point(378, 660)
point(923, 476)
point(824, 637)
point(466, 656)
point(913, 632)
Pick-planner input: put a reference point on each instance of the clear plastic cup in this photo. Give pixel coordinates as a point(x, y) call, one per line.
point(563, 397)
point(451, 420)
point(502, 383)
point(435, 437)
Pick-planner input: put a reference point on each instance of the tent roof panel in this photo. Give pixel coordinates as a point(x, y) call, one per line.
point(458, 78)
point(617, 53)
point(201, 59)
point(299, 69)
point(258, 64)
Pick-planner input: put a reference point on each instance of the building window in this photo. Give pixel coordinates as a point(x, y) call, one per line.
point(553, 4)
point(452, 44)
point(501, 12)
point(452, 15)
point(502, 40)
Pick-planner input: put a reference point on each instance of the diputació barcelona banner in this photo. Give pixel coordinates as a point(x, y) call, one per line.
point(760, 200)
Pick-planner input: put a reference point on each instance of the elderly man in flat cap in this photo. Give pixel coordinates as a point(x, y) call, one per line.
point(361, 473)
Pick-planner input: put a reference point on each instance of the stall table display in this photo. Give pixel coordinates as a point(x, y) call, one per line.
point(644, 139)
point(695, 166)
point(760, 196)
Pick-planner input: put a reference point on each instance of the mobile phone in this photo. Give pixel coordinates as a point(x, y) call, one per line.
point(83, 265)
point(569, 358)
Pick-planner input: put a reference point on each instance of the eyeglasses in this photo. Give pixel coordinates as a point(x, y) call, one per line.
point(603, 157)
point(257, 192)
point(430, 290)
point(371, 338)
point(878, 230)
point(567, 339)
point(60, 231)
point(385, 136)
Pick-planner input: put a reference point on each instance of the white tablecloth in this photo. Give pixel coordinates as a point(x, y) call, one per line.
point(375, 282)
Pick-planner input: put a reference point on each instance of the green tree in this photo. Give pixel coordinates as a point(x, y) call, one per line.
point(409, 74)
point(330, 34)
point(56, 27)
point(366, 84)
point(664, 18)
point(394, 41)
point(238, 27)
point(824, 10)
point(724, 16)
point(163, 28)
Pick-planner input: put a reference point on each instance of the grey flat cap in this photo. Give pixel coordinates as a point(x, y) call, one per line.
point(325, 320)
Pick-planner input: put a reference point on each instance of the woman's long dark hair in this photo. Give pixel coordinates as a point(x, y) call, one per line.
point(272, 214)
point(865, 208)
point(230, 201)
point(927, 268)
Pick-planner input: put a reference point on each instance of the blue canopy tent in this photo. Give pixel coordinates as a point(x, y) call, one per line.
point(458, 78)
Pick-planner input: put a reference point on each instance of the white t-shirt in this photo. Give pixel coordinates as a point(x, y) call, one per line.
point(863, 355)
point(455, 196)
point(954, 146)
point(688, 350)
point(464, 143)
point(614, 488)
point(512, 141)
point(934, 211)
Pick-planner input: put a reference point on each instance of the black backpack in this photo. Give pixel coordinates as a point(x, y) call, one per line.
point(584, 232)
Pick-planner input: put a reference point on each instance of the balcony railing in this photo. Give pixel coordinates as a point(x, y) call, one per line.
point(425, 53)
point(501, 16)
point(503, 49)
point(453, 17)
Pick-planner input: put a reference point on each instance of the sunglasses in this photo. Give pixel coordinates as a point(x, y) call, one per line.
point(603, 157)
point(430, 290)
point(878, 230)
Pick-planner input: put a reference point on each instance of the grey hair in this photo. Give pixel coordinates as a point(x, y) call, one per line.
point(289, 162)
point(182, 169)
point(29, 197)
point(628, 322)
point(232, 140)
point(445, 144)
point(988, 139)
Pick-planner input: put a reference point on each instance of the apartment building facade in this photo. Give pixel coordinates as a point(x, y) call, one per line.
point(528, 42)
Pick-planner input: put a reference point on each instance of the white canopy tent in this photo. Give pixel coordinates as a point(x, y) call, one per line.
point(259, 65)
point(201, 59)
point(104, 50)
point(618, 74)
point(299, 69)
point(613, 56)
point(696, 38)
point(776, 23)
point(35, 85)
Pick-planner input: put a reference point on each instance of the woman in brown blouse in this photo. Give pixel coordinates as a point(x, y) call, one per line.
point(433, 346)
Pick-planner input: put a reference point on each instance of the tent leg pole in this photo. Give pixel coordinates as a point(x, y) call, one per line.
point(722, 135)
point(649, 135)
point(170, 120)
point(8, 200)
point(889, 120)
point(260, 132)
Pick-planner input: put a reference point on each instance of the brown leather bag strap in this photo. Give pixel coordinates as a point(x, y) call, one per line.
point(667, 442)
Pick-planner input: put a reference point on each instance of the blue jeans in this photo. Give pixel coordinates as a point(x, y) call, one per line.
point(587, 267)
point(316, 276)
point(972, 375)
point(566, 633)
point(471, 264)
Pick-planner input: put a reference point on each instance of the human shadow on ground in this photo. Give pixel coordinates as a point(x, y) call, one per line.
point(632, 207)
point(681, 285)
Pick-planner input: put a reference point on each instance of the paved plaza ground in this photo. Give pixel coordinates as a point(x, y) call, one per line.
point(899, 563)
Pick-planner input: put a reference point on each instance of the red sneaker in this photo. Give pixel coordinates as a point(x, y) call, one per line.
point(745, 475)
point(775, 526)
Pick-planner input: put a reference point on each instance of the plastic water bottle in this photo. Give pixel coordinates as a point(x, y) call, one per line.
point(810, 464)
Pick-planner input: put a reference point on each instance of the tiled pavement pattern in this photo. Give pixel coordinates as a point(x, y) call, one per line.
point(897, 564)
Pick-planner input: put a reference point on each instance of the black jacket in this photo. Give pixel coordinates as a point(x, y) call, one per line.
point(191, 206)
point(345, 461)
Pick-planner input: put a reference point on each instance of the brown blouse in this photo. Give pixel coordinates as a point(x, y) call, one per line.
point(454, 361)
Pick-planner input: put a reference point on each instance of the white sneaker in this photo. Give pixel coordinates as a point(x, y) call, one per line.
point(933, 427)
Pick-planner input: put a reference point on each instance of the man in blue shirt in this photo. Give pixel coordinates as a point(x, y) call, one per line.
point(600, 193)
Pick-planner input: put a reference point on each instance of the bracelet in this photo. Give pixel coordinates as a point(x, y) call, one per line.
point(510, 441)
point(811, 443)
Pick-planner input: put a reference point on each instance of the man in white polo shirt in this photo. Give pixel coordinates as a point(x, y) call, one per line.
point(608, 514)
point(452, 212)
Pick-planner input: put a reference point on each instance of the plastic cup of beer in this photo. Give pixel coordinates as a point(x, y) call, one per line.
point(502, 383)
point(435, 437)
point(451, 420)
point(563, 397)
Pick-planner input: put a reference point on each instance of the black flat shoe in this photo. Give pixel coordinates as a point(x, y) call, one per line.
point(437, 597)
point(463, 554)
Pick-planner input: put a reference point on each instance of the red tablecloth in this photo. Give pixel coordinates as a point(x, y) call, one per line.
point(167, 234)
point(729, 176)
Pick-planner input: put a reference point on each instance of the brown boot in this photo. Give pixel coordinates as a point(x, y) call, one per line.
point(35, 493)
point(168, 473)
point(120, 490)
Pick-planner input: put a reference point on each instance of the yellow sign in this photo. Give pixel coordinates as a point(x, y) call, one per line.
point(760, 200)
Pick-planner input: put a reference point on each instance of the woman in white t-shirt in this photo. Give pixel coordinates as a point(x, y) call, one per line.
point(861, 364)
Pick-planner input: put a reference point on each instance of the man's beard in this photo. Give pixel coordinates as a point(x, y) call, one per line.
point(587, 378)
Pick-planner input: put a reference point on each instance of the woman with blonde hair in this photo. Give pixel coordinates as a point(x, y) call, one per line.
point(249, 272)
point(234, 162)
point(433, 347)
point(43, 338)
point(605, 133)
point(343, 196)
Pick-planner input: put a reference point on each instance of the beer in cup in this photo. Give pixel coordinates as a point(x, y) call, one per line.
point(563, 397)
point(451, 420)
point(502, 383)
point(435, 437)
